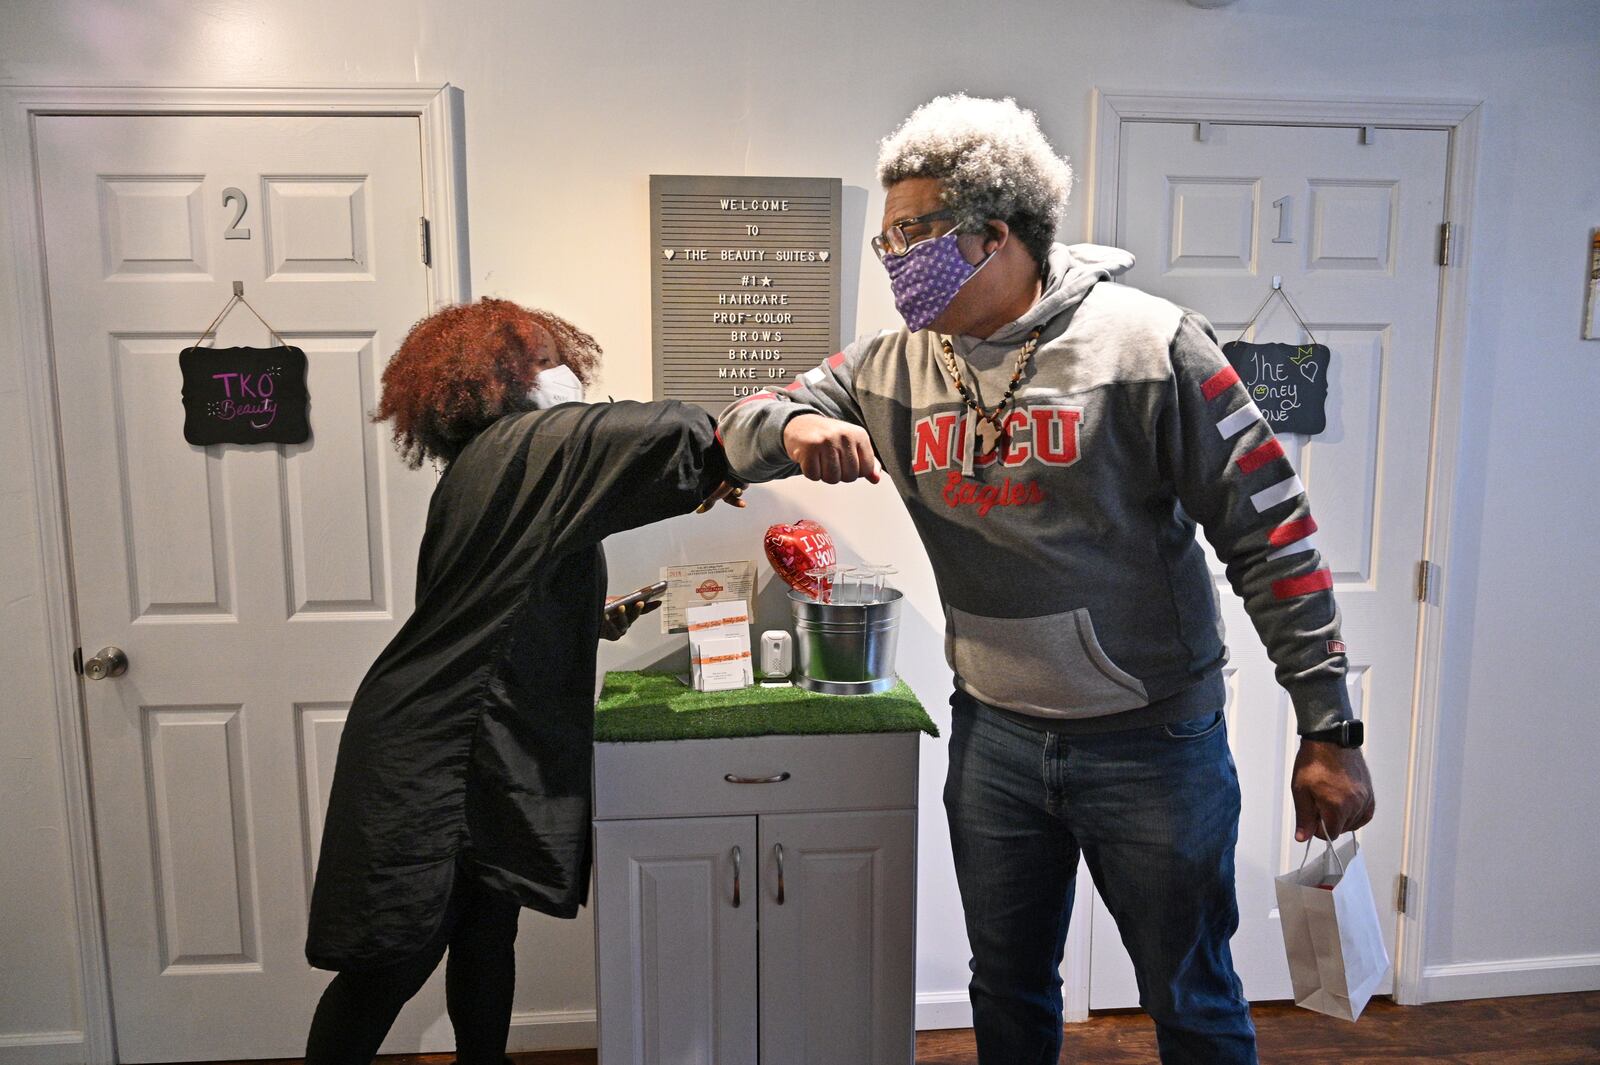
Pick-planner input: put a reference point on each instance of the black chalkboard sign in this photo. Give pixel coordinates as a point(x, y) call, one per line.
point(1289, 382)
point(244, 396)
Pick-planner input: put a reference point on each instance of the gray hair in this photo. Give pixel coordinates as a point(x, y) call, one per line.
point(992, 161)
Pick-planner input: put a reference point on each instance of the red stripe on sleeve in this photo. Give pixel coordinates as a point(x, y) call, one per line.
point(1290, 531)
point(1293, 587)
point(1251, 461)
point(792, 386)
point(1219, 383)
point(754, 397)
point(835, 361)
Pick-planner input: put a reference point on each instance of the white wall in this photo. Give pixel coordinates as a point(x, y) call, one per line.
point(570, 106)
point(39, 991)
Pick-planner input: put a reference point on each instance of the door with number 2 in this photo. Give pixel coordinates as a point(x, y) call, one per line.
point(249, 586)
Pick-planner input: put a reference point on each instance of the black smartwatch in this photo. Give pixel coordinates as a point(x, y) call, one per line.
point(1344, 734)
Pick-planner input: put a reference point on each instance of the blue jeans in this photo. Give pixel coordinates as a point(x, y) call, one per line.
point(1155, 813)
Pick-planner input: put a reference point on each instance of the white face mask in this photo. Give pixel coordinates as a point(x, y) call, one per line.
point(556, 385)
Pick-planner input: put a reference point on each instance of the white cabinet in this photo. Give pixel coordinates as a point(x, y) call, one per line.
point(756, 900)
point(837, 951)
point(677, 907)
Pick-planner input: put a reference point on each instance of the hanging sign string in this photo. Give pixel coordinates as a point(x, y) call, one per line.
point(1277, 290)
point(236, 299)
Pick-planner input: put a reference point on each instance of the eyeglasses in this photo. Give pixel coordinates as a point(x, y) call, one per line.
point(893, 241)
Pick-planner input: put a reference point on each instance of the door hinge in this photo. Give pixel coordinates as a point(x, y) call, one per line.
point(1427, 581)
point(77, 661)
point(427, 243)
point(1404, 894)
point(1446, 233)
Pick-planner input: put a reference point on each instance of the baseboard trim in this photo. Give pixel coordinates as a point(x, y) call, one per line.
point(577, 1030)
point(41, 1048)
point(553, 1030)
point(1515, 976)
point(943, 1009)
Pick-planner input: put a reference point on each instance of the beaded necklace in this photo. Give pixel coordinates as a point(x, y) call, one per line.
point(994, 435)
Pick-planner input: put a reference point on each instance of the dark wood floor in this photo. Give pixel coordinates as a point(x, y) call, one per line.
point(1537, 1030)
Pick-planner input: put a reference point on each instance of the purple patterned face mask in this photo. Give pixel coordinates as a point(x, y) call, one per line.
point(927, 277)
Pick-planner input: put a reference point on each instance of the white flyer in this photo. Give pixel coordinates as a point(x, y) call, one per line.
point(706, 582)
point(724, 664)
point(719, 645)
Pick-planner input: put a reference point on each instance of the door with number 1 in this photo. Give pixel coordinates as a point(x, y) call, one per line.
point(1349, 219)
point(248, 586)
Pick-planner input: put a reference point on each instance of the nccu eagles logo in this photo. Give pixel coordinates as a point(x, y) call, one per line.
point(1044, 435)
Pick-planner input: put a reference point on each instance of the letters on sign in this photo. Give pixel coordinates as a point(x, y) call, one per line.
point(1289, 382)
point(745, 278)
point(245, 395)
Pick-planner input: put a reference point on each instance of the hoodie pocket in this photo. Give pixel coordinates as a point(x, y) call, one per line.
point(1051, 665)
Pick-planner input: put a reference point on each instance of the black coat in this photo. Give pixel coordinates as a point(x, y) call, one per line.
point(468, 747)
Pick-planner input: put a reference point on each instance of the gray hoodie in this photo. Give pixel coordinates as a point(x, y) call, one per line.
point(1073, 586)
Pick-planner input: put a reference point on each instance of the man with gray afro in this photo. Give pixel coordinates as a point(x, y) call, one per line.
point(991, 162)
point(1057, 440)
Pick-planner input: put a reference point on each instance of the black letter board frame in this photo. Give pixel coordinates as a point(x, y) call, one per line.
point(692, 332)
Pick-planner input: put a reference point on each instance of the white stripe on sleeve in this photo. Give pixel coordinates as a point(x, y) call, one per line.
point(1305, 543)
point(1239, 421)
point(1287, 488)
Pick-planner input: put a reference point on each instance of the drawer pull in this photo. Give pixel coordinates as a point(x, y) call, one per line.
point(779, 779)
point(738, 858)
point(779, 851)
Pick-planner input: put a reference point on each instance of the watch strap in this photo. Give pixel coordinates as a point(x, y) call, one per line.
point(1348, 733)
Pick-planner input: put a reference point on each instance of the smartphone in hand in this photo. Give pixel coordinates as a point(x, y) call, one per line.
point(639, 595)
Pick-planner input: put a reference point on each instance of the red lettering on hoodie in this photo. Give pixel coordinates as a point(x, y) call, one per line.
point(1048, 435)
point(960, 492)
point(933, 441)
point(1016, 453)
point(1055, 434)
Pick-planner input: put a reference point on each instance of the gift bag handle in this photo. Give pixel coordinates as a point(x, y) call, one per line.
point(1331, 848)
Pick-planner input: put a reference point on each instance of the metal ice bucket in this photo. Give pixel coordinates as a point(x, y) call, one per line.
point(846, 648)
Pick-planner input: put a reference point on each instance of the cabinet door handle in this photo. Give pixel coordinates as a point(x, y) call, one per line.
point(778, 849)
point(738, 859)
point(779, 779)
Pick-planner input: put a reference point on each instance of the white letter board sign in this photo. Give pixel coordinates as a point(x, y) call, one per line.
point(744, 283)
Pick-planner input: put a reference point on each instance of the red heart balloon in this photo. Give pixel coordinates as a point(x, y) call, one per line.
point(794, 549)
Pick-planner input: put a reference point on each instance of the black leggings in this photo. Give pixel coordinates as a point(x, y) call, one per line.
point(480, 930)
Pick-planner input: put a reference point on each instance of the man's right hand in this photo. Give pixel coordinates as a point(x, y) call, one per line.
point(830, 450)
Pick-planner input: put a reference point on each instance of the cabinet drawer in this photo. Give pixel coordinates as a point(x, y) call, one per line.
point(689, 778)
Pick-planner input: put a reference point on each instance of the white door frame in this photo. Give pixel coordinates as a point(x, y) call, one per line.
point(438, 111)
point(1461, 120)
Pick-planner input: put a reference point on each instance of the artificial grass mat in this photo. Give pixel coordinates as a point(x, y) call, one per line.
point(640, 707)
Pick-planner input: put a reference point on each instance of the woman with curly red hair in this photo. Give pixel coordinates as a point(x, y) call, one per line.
point(462, 788)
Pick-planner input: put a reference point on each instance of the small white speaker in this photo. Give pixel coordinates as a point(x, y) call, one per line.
point(777, 653)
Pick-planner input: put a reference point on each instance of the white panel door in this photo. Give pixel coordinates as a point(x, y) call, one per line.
point(838, 938)
point(675, 932)
point(249, 586)
point(1353, 229)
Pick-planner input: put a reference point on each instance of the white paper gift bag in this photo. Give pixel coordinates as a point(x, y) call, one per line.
point(1331, 932)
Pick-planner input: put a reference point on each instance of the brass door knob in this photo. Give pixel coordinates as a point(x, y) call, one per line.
point(110, 662)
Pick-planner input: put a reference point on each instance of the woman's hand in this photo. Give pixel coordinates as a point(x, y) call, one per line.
point(729, 492)
point(614, 624)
